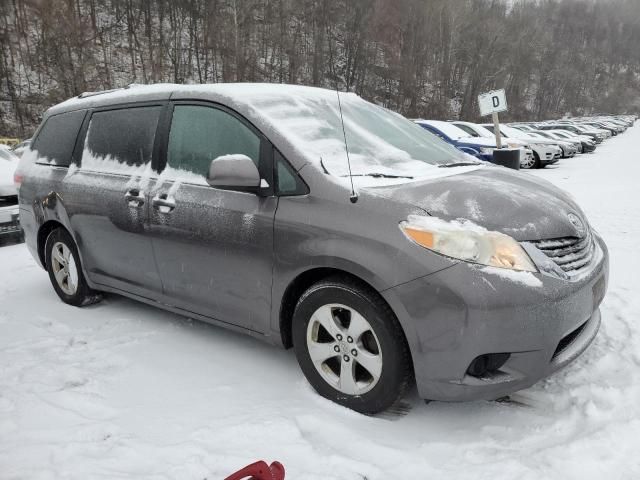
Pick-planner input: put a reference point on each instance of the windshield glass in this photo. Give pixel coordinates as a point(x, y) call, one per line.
point(467, 129)
point(379, 141)
point(513, 132)
point(538, 135)
point(479, 130)
point(449, 129)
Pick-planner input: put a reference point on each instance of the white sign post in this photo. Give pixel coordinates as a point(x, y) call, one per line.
point(493, 103)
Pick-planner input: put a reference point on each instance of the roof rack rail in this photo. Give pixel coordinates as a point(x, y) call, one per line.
point(91, 94)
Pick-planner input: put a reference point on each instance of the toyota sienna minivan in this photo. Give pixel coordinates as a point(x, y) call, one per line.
point(404, 262)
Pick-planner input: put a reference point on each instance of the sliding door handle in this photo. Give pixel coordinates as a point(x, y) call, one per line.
point(163, 203)
point(134, 198)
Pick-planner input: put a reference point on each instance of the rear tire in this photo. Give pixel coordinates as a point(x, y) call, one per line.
point(65, 270)
point(350, 346)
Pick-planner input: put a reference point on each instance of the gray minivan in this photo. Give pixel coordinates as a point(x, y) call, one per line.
point(236, 204)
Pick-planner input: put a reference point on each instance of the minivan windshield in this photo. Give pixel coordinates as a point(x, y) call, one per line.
point(380, 142)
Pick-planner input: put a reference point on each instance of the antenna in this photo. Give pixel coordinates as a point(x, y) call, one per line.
point(354, 196)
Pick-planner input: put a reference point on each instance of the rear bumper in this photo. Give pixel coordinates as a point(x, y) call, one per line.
point(9, 221)
point(466, 311)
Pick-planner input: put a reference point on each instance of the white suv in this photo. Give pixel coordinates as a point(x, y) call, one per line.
point(9, 222)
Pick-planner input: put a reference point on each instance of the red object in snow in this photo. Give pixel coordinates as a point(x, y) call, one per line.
point(259, 471)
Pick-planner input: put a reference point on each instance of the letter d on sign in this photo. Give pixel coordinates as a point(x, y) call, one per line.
point(490, 102)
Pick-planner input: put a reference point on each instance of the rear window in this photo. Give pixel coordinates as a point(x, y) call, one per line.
point(57, 138)
point(120, 141)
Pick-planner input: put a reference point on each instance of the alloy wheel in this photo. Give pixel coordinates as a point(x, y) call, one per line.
point(64, 268)
point(344, 349)
point(528, 162)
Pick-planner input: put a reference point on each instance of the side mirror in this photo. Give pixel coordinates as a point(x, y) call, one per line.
point(234, 172)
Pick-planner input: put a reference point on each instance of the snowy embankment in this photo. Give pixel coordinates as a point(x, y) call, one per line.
point(123, 390)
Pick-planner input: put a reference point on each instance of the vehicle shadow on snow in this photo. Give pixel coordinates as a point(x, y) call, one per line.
point(281, 365)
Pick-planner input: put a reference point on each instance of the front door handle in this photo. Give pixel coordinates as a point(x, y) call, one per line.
point(134, 198)
point(163, 203)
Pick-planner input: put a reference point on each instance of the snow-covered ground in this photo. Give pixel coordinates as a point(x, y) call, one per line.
point(123, 390)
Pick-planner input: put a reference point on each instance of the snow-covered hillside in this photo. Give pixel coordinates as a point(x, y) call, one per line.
point(123, 390)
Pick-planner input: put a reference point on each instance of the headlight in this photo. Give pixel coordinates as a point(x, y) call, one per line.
point(468, 242)
point(487, 150)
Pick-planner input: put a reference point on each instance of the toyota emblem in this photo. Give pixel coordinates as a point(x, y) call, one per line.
point(577, 223)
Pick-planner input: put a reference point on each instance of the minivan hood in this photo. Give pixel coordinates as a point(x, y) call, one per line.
point(514, 203)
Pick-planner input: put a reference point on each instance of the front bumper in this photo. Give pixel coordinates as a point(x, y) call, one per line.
point(465, 311)
point(555, 159)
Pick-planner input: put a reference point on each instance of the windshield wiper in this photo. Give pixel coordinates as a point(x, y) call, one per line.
point(458, 164)
point(377, 175)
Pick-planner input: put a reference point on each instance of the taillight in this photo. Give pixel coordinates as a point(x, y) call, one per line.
point(17, 179)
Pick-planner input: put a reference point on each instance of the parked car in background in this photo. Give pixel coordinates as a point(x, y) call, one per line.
point(527, 159)
point(554, 135)
point(569, 149)
point(21, 147)
point(598, 135)
point(605, 125)
point(545, 152)
point(408, 265)
point(9, 213)
point(588, 144)
point(481, 148)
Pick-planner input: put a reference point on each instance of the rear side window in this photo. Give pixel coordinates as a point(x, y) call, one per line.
point(200, 134)
point(120, 141)
point(57, 138)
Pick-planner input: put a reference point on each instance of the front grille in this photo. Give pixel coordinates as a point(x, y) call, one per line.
point(571, 254)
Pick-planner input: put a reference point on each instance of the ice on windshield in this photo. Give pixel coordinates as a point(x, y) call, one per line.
point(379, 141)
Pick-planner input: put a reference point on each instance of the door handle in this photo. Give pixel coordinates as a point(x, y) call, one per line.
point(163, 203)
point(134, 197)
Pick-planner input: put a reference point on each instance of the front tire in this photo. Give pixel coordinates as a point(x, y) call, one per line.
point(537, 162)
point(65, 270)
point(350, 346)
point(528, 163)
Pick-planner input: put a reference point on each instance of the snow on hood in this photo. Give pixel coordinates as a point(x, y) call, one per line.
point(496, 198)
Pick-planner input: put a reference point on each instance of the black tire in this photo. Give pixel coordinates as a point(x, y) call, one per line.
point(538, 164)
point(83, 294)
point(396, 375)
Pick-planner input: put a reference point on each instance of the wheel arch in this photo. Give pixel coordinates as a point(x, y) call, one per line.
point(43, 233)
point(300, 284)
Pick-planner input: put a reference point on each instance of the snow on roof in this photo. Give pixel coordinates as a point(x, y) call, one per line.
point(304, 124)
point(237, 92)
